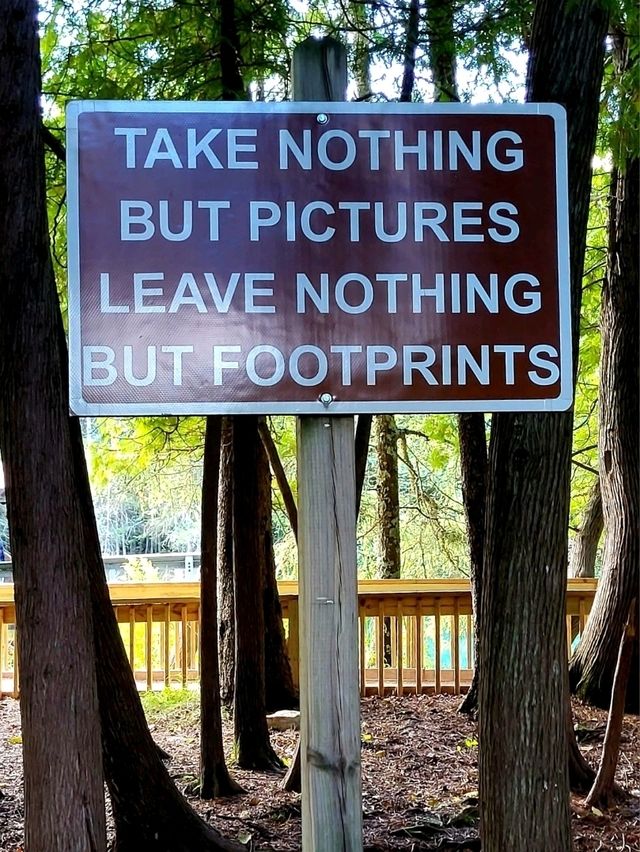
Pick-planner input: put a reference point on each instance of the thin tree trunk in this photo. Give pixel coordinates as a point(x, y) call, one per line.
point(63, 785)
point(411, 45)
point(363, 434)
point(442, 50)
point(388, 499)
point(524, 790)
point(249, 713)
point(601, 793)
point(281, 477)
point(230, 61)
point(215, 780)
point(226, 625)
point(473, 464)
point(581, 774)
point(585, 542)
point(361, 52)
point(388, 511)
point(280, 692)
point(593, 664)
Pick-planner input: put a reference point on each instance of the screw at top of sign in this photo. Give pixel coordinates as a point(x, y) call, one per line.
point(326, 399)
point(322, 118)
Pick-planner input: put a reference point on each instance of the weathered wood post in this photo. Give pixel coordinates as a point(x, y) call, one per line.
point(329, 694)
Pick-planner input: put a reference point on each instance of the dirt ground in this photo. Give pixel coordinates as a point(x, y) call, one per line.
point(420, 777)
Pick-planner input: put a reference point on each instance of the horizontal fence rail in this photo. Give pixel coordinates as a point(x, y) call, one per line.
point(416, 636)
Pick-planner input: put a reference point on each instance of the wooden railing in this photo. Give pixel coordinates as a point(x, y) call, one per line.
point(415, 635)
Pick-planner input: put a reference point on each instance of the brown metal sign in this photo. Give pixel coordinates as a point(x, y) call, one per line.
point(299, 258)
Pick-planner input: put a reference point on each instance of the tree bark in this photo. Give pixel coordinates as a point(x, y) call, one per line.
point(280, 475)
point(593, 664)
point(388, 499)
point(442, 50)
point(411, 45)
point(226, 625)
point(63, 785)
point(215, 780)
point(361, 48)
point(473, 464)
point(363, 434)
point(584, 547)
point(523, 761)
point(601, 793)
point(388, 510)
point(249, 713)
point(230, 60)
point(280, 693)
point(148, 811)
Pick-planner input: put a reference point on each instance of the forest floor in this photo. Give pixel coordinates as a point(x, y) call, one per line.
point(420, 778)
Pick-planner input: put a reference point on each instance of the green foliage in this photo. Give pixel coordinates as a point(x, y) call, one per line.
point(166, 706)
point(146, 472)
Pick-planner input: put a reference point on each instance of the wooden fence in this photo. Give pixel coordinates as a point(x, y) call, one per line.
point(415, 635)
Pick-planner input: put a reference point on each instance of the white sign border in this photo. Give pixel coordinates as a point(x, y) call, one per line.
point(82, 408)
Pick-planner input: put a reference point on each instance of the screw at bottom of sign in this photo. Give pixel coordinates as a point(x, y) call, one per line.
point(326, 399)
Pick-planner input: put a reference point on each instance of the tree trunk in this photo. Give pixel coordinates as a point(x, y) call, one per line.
point(411, 45)
point(148, 811)
point(601, 793)
point(388, 500)
point(249, 713)
point(226, 625)
point(388, 510)
point(363, 434)
point(585, 542)
point(442, 50)
point(473, 463)
point(361, 48)
point(280, 475)
point(523, 761)
point(280, 693)
point(63, 785)
point(230, 61)
point(214, 777)
point(593, 664)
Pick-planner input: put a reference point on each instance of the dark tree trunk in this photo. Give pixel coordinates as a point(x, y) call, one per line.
point(280, 693)
point(230, 61)
point(524, 790)
point(149, 813)
point(388, 510)
point(361, 48)
point(601, 793)
point(63, 785)
point(226, 624)
point(593, 664)
point(388, 499)
point(249, 713)
point(411, 45)
point(363, 434)
point(581, 774)
point(584, 547)
point(442, 50)
point(280, 475)
point(473, 463)
point(214, 777)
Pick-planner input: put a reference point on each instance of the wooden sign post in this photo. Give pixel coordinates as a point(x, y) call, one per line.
point(329, 695)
